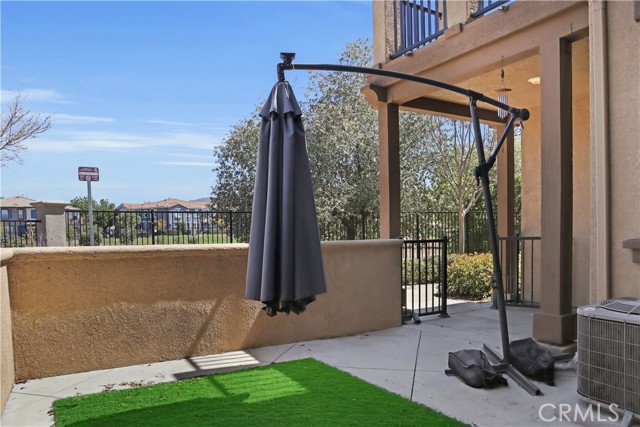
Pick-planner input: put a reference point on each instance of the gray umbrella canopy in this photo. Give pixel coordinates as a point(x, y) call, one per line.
point(285, 270)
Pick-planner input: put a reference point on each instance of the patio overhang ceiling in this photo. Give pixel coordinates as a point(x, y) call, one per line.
point(474, 57)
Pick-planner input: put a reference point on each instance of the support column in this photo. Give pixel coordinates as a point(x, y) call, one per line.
point(52, 229)
point(555, 322)
point(600, 270)
point(389, 146)
point(506, 211)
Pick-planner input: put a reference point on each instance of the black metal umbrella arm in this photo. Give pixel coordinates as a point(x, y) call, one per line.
point(481, 172)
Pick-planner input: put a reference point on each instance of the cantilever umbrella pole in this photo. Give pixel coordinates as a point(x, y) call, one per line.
point(482, 174)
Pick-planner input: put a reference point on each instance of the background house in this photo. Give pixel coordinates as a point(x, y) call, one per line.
point(17, 208)
point(168, 214)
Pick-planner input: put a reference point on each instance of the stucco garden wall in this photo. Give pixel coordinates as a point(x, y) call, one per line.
point(81, 309)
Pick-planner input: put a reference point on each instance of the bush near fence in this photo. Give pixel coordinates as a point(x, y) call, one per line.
point(421, 271)
point(469, 276)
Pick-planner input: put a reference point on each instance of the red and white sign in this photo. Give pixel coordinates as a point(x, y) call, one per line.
point(88, 174)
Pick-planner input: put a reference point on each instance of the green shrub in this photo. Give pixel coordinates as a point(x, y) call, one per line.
point(469, 276)
point(425, 270)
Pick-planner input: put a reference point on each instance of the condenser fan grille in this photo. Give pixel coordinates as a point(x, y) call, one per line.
point(609, 354)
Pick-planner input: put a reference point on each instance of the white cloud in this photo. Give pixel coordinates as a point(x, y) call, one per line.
point(82, 141)
point(181, 163)
point(74, 119)
point(35, 94)
point(191, 156)
point(169, 123)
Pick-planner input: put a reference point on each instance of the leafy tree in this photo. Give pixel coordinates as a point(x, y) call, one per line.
point(341, 133)
point(236, 166)
point(449, 154)
point(82, 202)
point(18, 125)
point(103, 216)
point(343, 142)
point(438, 156)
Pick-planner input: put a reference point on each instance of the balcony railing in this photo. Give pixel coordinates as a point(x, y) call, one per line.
point(486, 6)
point(419, 22)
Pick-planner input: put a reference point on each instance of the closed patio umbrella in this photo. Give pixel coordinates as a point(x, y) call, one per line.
point(285, 270)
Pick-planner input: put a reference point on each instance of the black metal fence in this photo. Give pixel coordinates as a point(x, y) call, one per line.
point(193, 227)
point(518, 258)
point(158, 227)
point(349, 226)
point(19, 233)
point(424, 277)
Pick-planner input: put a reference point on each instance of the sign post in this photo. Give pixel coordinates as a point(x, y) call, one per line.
point(89, 174)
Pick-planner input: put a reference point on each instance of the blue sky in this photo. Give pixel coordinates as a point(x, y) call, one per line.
point(145, 90)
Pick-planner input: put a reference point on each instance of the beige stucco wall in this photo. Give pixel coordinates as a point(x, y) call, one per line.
point(7, 376)
point(81, 309)
point(624, 138)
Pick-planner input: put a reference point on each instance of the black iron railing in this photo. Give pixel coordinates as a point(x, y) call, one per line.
point(519, 258)
point(349, 226)
point(487, 6)
point(19, 233)
point(158, 227)
point(424, 277)
point(153, 227)
point(417, 23)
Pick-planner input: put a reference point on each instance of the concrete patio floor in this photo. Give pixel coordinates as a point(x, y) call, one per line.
point(409, 360)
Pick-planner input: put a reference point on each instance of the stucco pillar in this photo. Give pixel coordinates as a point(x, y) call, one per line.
point(555, 322)
point(389, 146)
point(506, 209)
point(52, 229)
point(384, 30)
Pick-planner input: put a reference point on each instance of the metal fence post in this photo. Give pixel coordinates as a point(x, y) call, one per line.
point(153, 229)
point(230, 226)
point(443, 276)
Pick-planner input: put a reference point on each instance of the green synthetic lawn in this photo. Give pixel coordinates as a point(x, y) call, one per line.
point(299, 393)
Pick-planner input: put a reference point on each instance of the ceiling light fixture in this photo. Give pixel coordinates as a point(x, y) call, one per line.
point(534, 80)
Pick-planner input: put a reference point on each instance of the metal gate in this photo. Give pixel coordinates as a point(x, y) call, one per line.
point(424, 278)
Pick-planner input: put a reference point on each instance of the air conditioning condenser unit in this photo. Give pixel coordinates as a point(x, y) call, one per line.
point(609, 353)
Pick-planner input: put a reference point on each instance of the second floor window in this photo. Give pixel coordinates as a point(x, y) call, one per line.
point(6, 214)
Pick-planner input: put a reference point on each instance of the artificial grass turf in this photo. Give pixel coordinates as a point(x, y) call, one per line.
point(298, 393)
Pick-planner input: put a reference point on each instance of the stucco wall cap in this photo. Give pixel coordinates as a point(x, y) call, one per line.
point(360, 243)
point(60, 252)
point(90, 252)
point(6, 255)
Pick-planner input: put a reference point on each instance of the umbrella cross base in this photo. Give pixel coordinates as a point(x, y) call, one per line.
point(512, 372)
